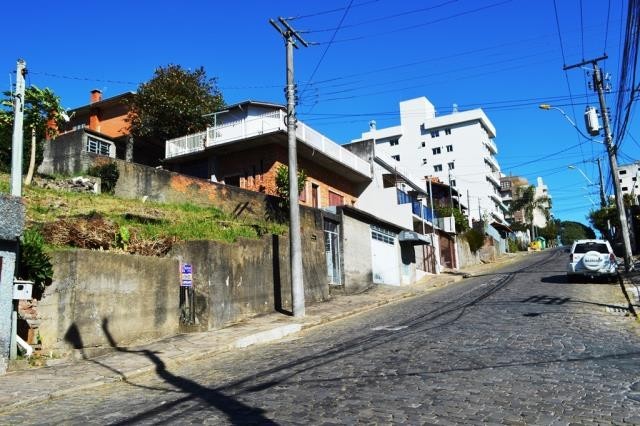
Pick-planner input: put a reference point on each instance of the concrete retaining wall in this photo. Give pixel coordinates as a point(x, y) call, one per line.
point(134, 297)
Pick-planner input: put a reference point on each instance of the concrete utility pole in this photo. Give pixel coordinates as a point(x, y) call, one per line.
point(603, 198)
point(17, 142)
point(611, 151)
point(295, 244)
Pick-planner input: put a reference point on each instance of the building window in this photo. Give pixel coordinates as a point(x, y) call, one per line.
point(97, 146)
point(437, 168)
point(453, 182)
point(451, 165)
point(436, 151)
point(303, 194)
point(623, 172)
point(435, 133)
point(447, 131)
point(624, 188)
point(396, 157)
point(394, 142)
point(335, 199)
point(315, 195)
point(423, 144)
point(384, 235)
point(424, 161)
point(449, 148)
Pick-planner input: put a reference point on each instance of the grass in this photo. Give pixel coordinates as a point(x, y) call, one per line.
point(183, 221)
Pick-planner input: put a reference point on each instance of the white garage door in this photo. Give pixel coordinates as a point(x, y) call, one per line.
point(384, 252)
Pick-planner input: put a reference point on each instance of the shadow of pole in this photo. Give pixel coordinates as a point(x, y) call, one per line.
point(237, 412)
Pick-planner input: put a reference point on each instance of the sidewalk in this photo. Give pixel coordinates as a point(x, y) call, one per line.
point(39, 384)
point(631, 287)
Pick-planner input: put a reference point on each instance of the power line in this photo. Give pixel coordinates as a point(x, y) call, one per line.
point(326, 12)
point(412, 27)
point(313, 74)
point(387, 17)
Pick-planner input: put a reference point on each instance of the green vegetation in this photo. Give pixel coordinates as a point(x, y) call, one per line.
point(34, 264)
point(174, 103)
point(475, 239)
point(462, 221)
point(72, 219)
point(108, 174)
point(282, 182)
point(571, 231)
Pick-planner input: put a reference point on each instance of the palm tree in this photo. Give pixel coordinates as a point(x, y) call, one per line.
point(528, 202)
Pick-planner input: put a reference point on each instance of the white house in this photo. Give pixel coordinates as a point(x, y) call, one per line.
point(456, 148)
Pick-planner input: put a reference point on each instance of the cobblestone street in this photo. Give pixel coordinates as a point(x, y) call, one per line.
point(514, 346)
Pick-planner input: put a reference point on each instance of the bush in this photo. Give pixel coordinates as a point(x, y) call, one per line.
point(475, 239)
point(513, 245)
point(108, 174)
point(34, 264)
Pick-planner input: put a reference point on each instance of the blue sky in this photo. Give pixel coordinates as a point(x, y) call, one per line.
point(505, 56)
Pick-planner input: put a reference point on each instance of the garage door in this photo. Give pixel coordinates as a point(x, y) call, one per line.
point(385, 263)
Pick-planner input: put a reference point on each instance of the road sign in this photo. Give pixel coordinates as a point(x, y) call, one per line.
point(186, 275)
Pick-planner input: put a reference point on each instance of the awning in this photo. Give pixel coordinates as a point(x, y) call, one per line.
point(501, 227)
point(413, 237)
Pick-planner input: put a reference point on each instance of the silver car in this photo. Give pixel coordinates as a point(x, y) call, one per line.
point(591, 259)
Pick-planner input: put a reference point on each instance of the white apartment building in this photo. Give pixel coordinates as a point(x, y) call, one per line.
point(539, 218)
point(456, 148)
point(628, 175)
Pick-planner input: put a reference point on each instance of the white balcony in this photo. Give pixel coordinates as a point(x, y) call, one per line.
point(493, 178)
point(499, 202)
point(491, 145)
point(270, 122)
point(490, 159)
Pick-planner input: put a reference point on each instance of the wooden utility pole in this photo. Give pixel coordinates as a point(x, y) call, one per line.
point(295, 244)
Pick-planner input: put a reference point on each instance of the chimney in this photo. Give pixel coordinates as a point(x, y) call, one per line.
point(94, 118)
point(52, 128)
point(96, 96)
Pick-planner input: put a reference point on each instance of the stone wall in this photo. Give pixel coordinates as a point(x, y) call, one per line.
point(488, 253)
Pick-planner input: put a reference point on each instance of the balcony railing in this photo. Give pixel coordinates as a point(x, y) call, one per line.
point(270, 122)
point(490, 159)
point(494, 178)
point(491, 145)
point(426, 213)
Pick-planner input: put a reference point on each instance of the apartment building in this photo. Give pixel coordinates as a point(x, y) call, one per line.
point(509, 190)
point(628, 177)
point(456, 148)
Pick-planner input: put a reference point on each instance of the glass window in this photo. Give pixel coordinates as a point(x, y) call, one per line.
point(424, 161)
point(394, 142)
point(453, 182)
point(437, 168)
point(396, 157)
point(592, 246)
point(449, 148)
point(447, 131)
point(435, 133)
point(451, 165)
point(436, 151)
point(96, 146)
point(423, 144)
point(623, 172)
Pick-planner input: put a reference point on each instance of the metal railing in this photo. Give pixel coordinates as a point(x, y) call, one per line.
point(270, 122)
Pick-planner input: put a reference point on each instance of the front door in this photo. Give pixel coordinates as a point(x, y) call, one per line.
point(332, 252)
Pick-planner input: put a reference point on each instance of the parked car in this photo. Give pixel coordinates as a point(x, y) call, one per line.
point(591, 259)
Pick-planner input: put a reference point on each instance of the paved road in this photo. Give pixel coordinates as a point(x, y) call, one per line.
point(520, 346)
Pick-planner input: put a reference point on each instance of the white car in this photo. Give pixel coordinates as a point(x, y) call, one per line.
point(591, 259)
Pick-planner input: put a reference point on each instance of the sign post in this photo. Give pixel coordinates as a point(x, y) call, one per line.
point(187, 294)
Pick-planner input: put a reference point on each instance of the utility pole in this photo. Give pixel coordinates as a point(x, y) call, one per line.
point(603, 198)
point(17, 142)
point(295, 244)
point(611, 151)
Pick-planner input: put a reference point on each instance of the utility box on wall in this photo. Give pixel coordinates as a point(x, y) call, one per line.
point(22, 289)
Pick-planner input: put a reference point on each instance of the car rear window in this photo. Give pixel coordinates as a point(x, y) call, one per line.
point(585, 247)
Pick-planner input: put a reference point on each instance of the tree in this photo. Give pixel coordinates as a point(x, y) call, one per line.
point(550, 232)
point(41, 106)
point(604, 219)
point(282, 183)
point(530, 203)
point(173, 103)
point(571, 231)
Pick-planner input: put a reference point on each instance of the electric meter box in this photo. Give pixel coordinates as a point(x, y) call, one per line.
point(22, 289)
point(591, 121)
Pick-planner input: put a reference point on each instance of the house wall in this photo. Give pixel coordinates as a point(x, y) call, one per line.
point(356, 255)
point(67, 154)
point(256, 170)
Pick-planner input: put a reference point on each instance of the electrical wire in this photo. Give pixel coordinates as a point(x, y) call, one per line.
point(326, 12)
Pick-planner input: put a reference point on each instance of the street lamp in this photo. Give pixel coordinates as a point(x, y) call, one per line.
point(572, 167)
point(548, 107)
